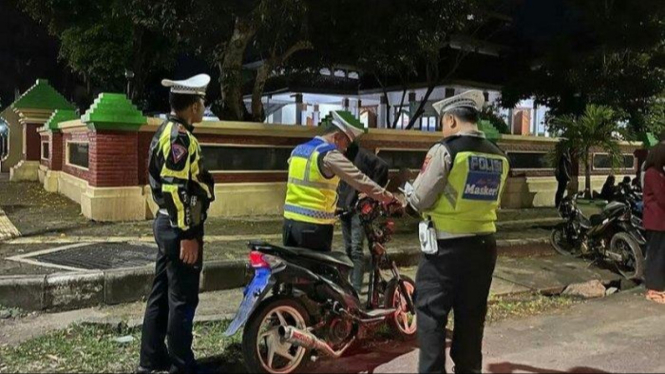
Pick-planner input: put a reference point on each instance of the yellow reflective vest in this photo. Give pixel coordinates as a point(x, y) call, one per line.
point(472, 195)
point(310, 196)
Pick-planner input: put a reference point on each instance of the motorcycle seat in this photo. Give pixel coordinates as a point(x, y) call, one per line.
point(596, 219)
point(585, 222)
point(613, 208)
point(334, 258)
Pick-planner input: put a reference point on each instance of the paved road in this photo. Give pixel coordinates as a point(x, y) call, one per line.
point(623, 333)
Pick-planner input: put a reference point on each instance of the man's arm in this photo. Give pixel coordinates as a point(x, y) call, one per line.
point(432, 178)
point(335, 163)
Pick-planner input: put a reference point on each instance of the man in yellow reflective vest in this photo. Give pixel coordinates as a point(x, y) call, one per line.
point(315, 169)
point(458, 193)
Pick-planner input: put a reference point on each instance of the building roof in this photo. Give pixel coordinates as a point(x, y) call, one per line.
point(42, 96)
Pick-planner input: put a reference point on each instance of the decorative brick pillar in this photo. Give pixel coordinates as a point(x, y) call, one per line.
point(113, 193)
point(34, 109)
point(51, 148)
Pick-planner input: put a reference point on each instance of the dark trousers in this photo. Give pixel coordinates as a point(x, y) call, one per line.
point(354, 236)
point(307, 235)
point(171, 305)
point(560, 191)
point(458, 278)
point(654, 274)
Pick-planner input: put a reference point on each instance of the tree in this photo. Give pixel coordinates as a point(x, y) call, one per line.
point(596, 128)
point(231, 33)
point(607, 52)
point(102, 39)
point(399, 43)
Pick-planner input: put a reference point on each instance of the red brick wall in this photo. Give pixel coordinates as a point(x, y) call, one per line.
point(57, 154)
point(144, 140)
point(83, 136)
point(114, 159)
point(33, 143)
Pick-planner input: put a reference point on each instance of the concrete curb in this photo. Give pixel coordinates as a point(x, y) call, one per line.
point(75, 290)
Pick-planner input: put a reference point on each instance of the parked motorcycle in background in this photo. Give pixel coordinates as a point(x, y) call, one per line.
point(615, 235)
point(300, 303)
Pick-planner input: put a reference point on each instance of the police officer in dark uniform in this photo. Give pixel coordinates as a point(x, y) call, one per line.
point(183, 190)
point(458, 192)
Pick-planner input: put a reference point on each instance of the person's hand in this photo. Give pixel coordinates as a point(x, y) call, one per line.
point(388, 198)
point(401, 199)
point(189, 251)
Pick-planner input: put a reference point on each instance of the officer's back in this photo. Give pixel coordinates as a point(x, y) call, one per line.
point(458, 193)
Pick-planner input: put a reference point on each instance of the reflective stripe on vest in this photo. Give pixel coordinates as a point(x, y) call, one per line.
point(310, 196)
point(469, 203)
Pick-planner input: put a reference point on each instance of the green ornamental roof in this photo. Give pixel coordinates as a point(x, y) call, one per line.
point(60, 115)
point(491, 133)
point(42, 96)
point(112, 111)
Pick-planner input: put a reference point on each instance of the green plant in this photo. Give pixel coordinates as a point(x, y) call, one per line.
point(597, 128)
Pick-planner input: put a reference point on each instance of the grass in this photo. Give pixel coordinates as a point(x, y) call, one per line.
point(92, 348)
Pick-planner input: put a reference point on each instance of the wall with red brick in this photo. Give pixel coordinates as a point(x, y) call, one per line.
point(57, 154)
point(33, 151)
point(83, 136)
point(114, 159)
point(144, 140)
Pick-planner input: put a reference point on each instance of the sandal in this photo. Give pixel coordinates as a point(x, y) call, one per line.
point(656, 296)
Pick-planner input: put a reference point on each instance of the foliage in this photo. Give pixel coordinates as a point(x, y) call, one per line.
point(491, 114)
point(655, 119)
point(101, 39)
point(597, 128)
point(608, 52)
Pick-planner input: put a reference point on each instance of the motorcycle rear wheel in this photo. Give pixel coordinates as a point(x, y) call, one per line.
point(633, 267)
point(263, 351)
point(403, 322)
point(560, 242)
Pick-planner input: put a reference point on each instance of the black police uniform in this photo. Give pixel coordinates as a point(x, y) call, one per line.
point(183, 190)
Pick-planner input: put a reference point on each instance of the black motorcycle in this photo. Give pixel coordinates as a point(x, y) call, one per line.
point(615, 236)
point(300, 303)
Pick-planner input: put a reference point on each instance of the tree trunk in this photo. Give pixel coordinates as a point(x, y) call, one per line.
point(262, 75)
point(421, 108)
point(587, 177)
point(398, 115)
point(231, 70)
point(258, 113)
point(138, 82)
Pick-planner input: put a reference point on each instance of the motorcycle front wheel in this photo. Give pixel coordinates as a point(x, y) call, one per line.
point(402, 322)
point(263, 349)
point(632, 266)
point(560, 242)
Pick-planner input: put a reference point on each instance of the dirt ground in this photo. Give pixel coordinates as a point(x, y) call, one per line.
point(36, 212)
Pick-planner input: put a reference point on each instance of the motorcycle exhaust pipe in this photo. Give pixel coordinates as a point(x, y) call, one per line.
point(307, 340)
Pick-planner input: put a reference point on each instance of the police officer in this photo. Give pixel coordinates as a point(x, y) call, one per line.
point(183, 190)
point(458, 189)
point(315, 169)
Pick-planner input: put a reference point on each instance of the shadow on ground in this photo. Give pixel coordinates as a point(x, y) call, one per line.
point(509, 367)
